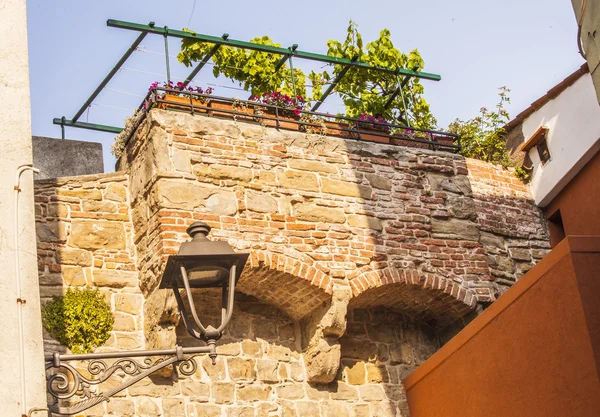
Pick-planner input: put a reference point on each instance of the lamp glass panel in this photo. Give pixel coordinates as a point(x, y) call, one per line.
point(207, 276)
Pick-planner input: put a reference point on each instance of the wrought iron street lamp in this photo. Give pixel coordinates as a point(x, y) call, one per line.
point(200, 263)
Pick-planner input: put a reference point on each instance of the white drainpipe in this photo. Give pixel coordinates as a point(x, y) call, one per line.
point(20, 300)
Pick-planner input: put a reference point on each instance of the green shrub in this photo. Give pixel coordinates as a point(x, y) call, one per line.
point(80, 320)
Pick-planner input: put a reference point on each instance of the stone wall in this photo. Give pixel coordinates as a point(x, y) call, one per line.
point(85, 239)
point(361, 256)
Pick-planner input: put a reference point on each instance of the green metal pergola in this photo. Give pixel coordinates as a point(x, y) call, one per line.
point(403, 75)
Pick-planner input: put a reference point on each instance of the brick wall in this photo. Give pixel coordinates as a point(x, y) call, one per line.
point(361, 254)
point(514, 233)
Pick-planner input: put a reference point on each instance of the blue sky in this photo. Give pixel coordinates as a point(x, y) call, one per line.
point(476, 46)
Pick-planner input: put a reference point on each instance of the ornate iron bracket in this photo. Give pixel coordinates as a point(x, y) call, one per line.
point(65, 381)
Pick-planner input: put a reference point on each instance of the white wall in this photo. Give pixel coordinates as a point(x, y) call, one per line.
point(15, 150)
point(573, 119)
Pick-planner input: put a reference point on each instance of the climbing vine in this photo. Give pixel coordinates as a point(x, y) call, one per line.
point(362, 91)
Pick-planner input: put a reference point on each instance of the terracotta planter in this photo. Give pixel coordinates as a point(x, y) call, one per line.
point(444, 140)
point(285, 122)
point(183, 100)
point(371, 135)
point(337, 129)
point(230, 107)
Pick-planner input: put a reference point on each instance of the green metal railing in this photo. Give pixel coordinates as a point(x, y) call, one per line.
point(286, 55)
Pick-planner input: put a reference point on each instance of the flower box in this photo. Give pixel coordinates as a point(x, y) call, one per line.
point(373, 135)
point(185, 101)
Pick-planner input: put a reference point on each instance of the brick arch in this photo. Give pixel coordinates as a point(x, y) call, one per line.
point(290, 284)
point(423, 296)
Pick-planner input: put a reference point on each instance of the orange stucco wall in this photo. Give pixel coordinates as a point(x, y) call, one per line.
point(534, 352)
point(579, 201)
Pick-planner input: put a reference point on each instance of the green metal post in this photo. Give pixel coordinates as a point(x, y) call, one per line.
point(293, 78)
point(285, 57)
point(329, 90)
point(112, 72)
point(166, 35)
point(91, 126)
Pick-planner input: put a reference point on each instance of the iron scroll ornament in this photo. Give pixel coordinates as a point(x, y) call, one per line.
point(64, 382)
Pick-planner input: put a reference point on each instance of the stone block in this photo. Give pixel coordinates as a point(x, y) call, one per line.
point(261, 202)
point(371, 393)
point(462, 207)
point(127, 341)
point(520, 254)
point(128, 303)
point(281, 353)
point(181, 160)
point(121, 408)
point(377, 181)
point(356, 373)
point(97, 234)
point(115, 192)
point(114, 278)
point(51, 232)
point(345, 188)
point(338, 409)
point(148, 408)
point(358, 349)
point(312, 213)
point(322, 361)
point(298, 180)
point(223, 172)
point(307, 408)
point(123, 322)
point(79, 257)
point(228, 349)
point(267, 370)
point(454, 229)
point(376, 374)
point(72, 276)
point(290, 391)
point(342, 391)
point(215, 372)
point(197, 391)
point(222, 392)
point(251, 348)
point(173, 407)
point(99, 206)
point(318, 166)
point(241, 369)
point(365, 222)
point(84, 194)
point(204, 410)
point(195, 197)
point(252, 393)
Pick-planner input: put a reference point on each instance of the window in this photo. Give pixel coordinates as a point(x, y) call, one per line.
point(557, 230)
point(543, 151)
point(539, 141)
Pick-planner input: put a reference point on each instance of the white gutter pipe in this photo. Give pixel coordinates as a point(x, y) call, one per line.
point(20, 300)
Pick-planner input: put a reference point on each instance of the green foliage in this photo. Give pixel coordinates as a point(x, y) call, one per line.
point(367, 91)
point(363, 91)
point(80, 320)
point(483, 137)
point(254, 70)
